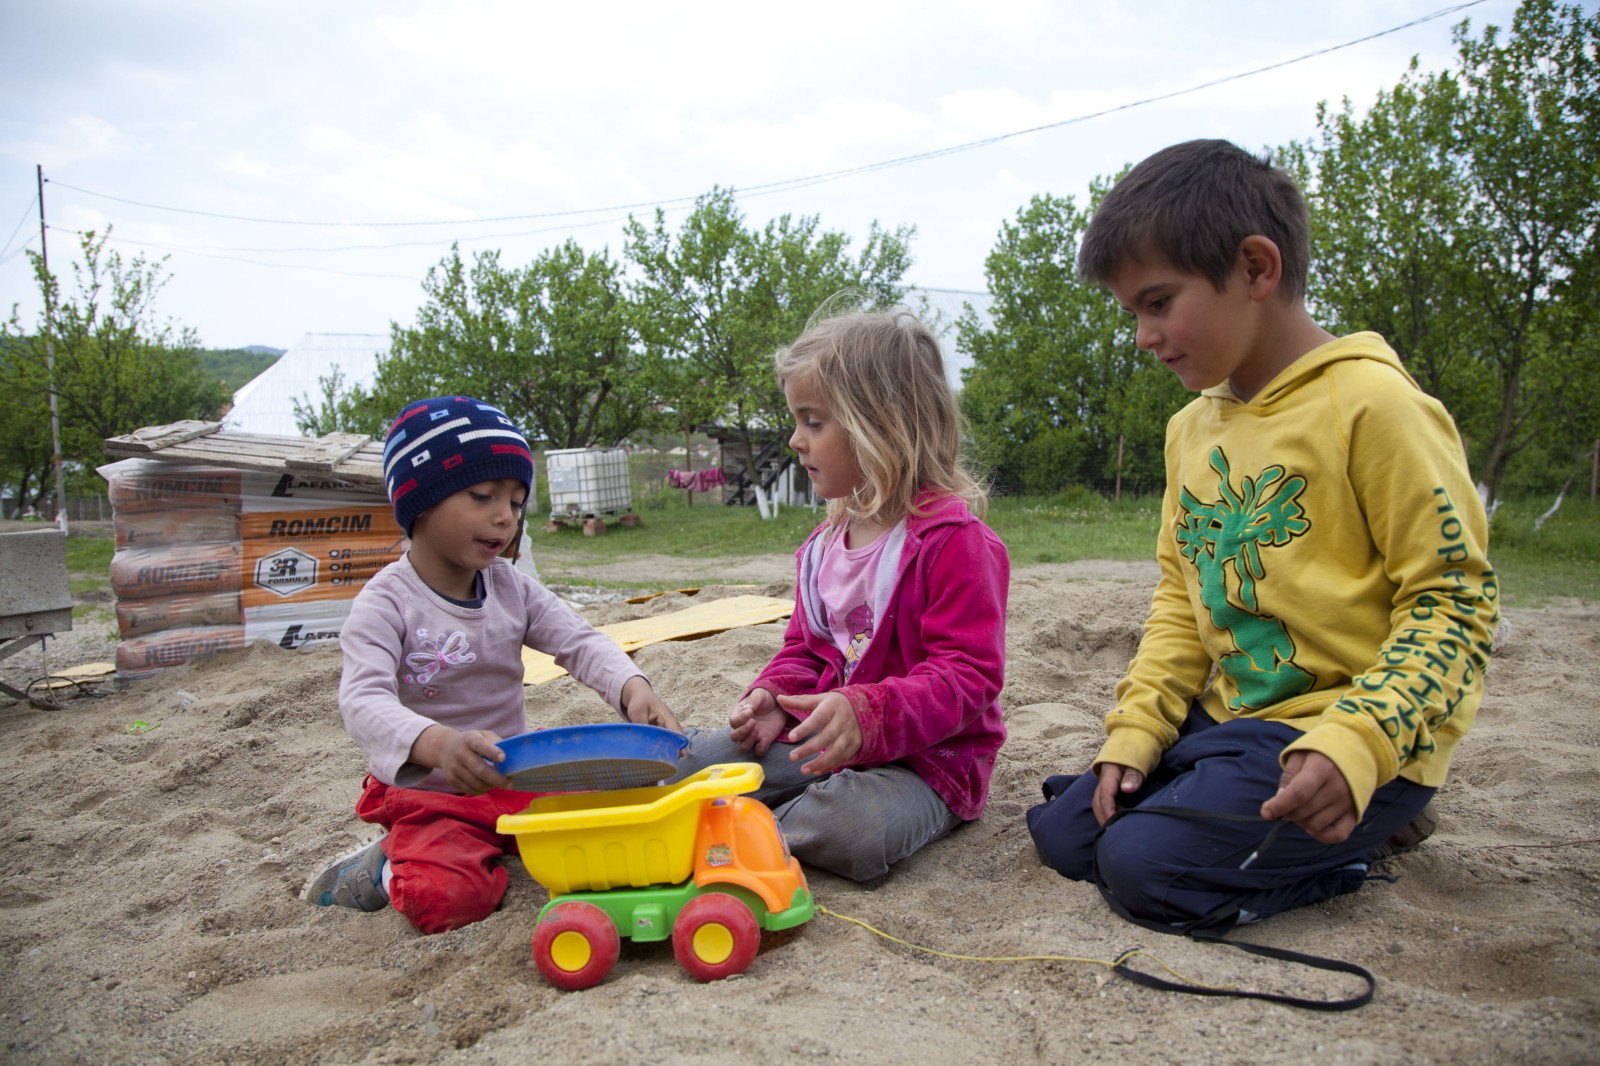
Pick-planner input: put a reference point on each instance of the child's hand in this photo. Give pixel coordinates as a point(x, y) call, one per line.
point(1114, 778)
point(1314, 795)
point(756, 721)
point(460, 757)
point(642, 706)
point(831, 728)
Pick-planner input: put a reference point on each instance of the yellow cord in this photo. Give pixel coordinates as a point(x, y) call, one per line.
point(1109, 963)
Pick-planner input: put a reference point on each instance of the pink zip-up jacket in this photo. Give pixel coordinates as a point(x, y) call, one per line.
point(927, 688)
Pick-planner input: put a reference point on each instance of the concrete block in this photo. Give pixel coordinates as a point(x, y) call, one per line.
point(33, 583)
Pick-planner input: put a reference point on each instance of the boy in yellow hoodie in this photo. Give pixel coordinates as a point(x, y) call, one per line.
point(1317, 641)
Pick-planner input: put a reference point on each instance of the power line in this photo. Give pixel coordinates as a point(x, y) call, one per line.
point(26, 213)
point(23, 247)
point(240, 259)
point(201, 249)
point(215, 252)
point(791, 184)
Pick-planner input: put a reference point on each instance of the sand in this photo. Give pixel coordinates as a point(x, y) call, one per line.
point(149, 888)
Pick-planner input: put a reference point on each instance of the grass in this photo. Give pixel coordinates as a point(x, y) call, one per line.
point(1075, 524)
point(703, 530)
point(1561, 559)
point(1055, 529)
point(89, 571)
point(88, 562)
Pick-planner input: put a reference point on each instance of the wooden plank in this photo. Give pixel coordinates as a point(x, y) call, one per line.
point(155, 438)
point(347, 457)
point(327, 452)
point(698, 621)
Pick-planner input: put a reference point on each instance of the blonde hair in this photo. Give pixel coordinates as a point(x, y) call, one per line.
point(882, 377)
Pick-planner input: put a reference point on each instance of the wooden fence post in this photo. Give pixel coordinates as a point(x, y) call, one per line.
point(1120, 439)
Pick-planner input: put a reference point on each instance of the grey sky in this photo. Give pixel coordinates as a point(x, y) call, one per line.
point(406, 112)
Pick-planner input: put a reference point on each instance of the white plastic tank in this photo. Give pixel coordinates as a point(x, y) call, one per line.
point(588, 481)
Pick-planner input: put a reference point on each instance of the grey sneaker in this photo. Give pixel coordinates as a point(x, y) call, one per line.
point(352, 880)
point(1415, 832)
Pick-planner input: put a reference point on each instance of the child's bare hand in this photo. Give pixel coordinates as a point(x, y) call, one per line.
point(461, 757)
point(1114, 778)
point(831, 728)
point(1313, 794)
point(756, 721)
point(642, 706)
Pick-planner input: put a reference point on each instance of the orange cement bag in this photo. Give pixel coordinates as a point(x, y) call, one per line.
point(296, 624)
point(137, 618)
point(143, 656)
point(136, 485)
point(186, 525)
point(306, 553)
point(179, 570)
point(210, 558)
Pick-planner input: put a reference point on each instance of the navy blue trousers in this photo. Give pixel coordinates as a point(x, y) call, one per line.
point(1174, 870)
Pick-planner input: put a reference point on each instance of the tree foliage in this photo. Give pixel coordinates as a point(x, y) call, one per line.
point(551, 344)
point(235, 367)
point(1458, 217)
point(1056, 383)
point(117, 367)
point(717, 299)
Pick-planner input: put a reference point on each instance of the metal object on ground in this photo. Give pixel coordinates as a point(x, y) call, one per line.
point(37, 602)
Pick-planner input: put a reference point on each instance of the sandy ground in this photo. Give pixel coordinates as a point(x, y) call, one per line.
point(149, 888)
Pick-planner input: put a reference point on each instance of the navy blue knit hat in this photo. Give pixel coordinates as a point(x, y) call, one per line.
point(440, 446)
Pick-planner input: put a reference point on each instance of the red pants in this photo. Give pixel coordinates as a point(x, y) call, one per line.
point(443, 849)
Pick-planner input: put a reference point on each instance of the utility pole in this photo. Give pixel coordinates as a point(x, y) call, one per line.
point(50, 362)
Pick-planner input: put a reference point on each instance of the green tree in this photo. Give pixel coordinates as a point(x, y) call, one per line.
point(1056, 383)
point(26, 456)
point(1529, 128)
point(716, 300)
point(1385, 195)
point(1458, 217)
point(235, 367)
point(117, 368)
point(552, 344)
point(338, 409)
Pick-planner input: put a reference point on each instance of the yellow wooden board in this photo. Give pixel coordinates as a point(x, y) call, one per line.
point(697, 621)
point(84, 674)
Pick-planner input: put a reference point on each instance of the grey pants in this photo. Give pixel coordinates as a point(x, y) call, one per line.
point(853, 823)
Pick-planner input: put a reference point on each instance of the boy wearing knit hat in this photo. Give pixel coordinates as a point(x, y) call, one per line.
point(433, 670)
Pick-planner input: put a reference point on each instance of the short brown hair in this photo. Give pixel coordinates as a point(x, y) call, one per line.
point(882, 377)
point(1193, 203)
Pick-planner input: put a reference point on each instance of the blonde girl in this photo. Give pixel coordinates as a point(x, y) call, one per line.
point(878, 721)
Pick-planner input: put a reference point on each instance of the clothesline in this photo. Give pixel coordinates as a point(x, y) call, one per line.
point(696, 480)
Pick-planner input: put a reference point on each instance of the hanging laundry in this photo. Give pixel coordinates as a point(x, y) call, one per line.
point(696, 480)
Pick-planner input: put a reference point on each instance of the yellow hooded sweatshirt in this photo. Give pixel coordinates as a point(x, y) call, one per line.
point(1323, 564)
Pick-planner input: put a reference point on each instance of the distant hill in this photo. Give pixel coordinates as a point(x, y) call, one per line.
point(235, 366)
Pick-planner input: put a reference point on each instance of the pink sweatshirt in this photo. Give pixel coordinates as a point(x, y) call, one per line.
point(412, 658)
point(926, 689)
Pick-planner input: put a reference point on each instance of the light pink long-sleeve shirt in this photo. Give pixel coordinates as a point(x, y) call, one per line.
point(413, 658)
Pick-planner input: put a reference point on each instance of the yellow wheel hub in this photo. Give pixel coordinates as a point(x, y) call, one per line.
point(570, 951)
point(713, 943)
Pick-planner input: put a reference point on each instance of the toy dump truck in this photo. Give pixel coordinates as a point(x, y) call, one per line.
point(696, 861)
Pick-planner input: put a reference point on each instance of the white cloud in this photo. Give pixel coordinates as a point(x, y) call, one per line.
point(829, 136)
point(72, 139)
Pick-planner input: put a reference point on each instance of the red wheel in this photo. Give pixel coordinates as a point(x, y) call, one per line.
point(715, 936)
point(575, 945)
